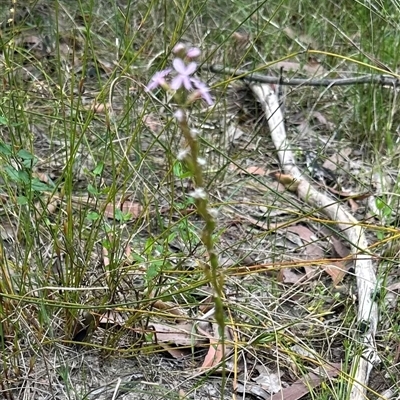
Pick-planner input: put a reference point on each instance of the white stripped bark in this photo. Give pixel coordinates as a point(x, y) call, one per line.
point(367, 314)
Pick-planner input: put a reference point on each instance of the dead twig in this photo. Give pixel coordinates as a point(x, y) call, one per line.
point(384, 80)
point(363, 262)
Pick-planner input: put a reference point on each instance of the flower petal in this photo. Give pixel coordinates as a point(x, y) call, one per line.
point(186, 82)
point(193, 52)
point(203, 90)
point(179, 66)
point(179, 48)
point(157, 79)
point(190, 68)
point(177, 82)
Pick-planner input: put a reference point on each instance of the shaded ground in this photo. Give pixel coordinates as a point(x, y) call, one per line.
point(76, 102)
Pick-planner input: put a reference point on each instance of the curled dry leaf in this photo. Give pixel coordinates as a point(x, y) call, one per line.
point(257, 171)
point(310, 248)
point(340, 249)
point(233, 133)
point(176, 352)
point(313, 68)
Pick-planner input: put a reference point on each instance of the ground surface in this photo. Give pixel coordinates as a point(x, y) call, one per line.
point(100, 238)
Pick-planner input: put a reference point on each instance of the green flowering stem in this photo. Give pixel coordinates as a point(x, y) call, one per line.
point(186, 88)
point(202, 205)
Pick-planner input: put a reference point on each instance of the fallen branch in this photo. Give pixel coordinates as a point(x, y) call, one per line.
point(364, 269)
point(384, 80)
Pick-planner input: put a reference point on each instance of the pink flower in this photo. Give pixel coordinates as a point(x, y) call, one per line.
point(194, 52)
point(179, 49)
point(184, 71)
point(203, 90)
point(158, 79)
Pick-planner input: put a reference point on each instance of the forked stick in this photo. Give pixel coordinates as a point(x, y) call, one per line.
point(364, 269)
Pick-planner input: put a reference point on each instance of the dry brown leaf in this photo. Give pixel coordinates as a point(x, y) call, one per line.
point(233, 133)
point(336, 159)
point(311, 248)
point(99, 108)
point(175, 352)
point(340, 249)
point(393, 287)
point(321, 118)
point(42, 177)
point(307, 40)
point(353, 205)
point(172, 308)
point(257, 171)
point(336, 270)
point(215, 350)
point(107, 66)
point(287, 275)
point(354, 196)
point(153, 123)
point(133, 208)
point(207, 304)
point(179, 334)
point(128, 251)
point(310, 69)
point(287, 180)
point(111, 318)
point(303, 386)
point(253, 170)
point(241, 37)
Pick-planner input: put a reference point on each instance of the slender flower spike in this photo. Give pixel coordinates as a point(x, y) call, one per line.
point(184, 71)
point(158, 79)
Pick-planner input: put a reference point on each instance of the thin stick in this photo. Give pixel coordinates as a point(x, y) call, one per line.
point(384, 80)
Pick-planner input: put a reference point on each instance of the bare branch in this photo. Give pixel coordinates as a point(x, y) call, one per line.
point(384, 80)
point(367, 284)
